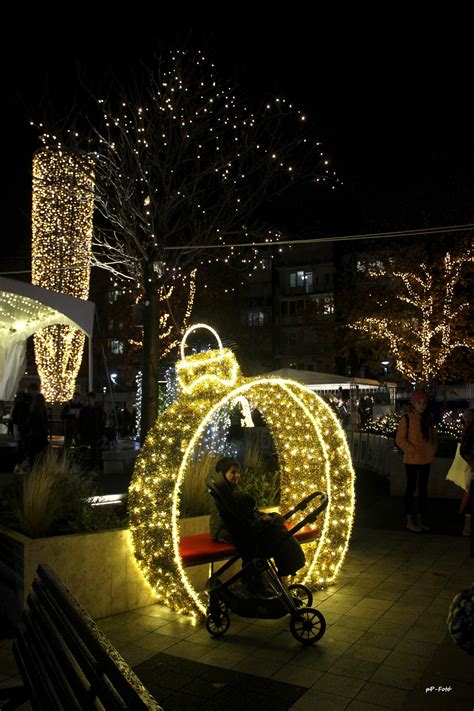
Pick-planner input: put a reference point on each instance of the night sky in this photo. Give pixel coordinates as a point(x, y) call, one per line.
point(393, 108)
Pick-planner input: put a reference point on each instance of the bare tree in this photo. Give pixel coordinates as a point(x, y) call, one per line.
point(182, 165)
point(417, 310)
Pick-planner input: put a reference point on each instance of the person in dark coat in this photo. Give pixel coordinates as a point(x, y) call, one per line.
point(19, 417)
point(70, 417)
point(286, 552)
point(92, 429)
point(36, 430)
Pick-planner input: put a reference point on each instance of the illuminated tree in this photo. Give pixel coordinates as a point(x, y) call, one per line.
point(63, 202)
point(182, 165)
point(419, 314)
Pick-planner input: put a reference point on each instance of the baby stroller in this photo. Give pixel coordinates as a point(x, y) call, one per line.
point(260, 550)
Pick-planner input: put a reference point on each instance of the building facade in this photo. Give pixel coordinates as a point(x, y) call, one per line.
point(288, 305)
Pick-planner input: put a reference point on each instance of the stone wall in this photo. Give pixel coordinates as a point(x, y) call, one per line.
point(99, 569)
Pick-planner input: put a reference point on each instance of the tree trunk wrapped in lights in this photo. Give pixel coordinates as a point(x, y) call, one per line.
point(63, 201)
point(182, 166)
point(418, 310)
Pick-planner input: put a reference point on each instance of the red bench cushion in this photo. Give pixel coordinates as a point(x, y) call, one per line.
point(198, 549)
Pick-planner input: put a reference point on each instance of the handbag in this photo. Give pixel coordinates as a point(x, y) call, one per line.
point(460, 472)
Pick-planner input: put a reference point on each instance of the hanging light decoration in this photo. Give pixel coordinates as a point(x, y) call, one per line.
point(63, 203)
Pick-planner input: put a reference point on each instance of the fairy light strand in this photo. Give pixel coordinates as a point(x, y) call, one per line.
point(312, 452)
point(62, 210)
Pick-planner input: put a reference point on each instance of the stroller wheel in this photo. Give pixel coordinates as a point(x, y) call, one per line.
point(217, 629)
point(307, 625)
point(302, 596)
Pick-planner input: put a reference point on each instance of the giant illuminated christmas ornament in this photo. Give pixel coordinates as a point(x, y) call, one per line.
point(63, 203)
point(311, 448)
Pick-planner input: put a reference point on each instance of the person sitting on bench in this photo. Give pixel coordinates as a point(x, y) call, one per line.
point(272, 533)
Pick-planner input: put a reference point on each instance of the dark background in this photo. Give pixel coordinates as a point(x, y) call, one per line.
point(389, 98)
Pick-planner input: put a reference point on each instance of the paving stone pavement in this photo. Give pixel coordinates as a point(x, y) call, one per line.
point(385, 644)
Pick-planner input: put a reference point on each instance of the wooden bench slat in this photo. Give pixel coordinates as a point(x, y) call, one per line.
point(113, 666)
point(69, 668)
point(43, 676)
point(65, 661)
point(78, 654)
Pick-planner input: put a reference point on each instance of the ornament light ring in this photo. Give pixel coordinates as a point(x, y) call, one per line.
point(287, 386)
point(311, 448)
point(194, 328)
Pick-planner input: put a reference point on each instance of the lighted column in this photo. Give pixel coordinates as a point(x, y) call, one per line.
point(63, 202)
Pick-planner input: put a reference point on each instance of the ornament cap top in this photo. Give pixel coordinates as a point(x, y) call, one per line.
point(218, 365)
point(194, 328)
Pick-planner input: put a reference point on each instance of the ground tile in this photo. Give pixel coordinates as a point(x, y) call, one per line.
point(338, 607)
point(8, 664)
point(424, 634)
point(314, 658)
point(202, 636)
point(222, 658)
point(361, 650)
point(400, 678)
point(412, 646)
point(176, 630)
point(400, 618)
point(389, 697)
point(155, 642)
point(348, 665)
point(292, 673)
point(357, 705)
point(403, 660)
point(342, 634)
point(377, 603)
point(381, 641)
point(347, 598)
point(367, 613)
point(338, 684)
point(133, 654)
point(188, 650)
point(390, 628)
point(259, 667)
point(353, 622)
point(318, 700)
point(387, 594)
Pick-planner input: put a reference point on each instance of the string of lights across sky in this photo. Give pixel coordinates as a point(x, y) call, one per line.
point(315, 240)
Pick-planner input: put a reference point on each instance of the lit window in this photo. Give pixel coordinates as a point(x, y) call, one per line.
point(255, 318)
point(328, 307)
point(115, 346)
point(113, 295)
point(297, 279)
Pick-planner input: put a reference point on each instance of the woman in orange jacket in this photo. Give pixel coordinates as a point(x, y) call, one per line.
point(416, 437)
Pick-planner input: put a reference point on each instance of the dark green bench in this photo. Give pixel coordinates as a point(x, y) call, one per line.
point(64, 659)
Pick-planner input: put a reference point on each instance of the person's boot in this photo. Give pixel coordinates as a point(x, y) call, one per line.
point(412, 526)
point(467, 525)
point(423, 526)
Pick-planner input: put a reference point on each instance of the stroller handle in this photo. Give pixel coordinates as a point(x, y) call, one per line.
point(304, 503)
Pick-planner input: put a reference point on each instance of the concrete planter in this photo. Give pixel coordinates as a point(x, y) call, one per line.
point(99, 568)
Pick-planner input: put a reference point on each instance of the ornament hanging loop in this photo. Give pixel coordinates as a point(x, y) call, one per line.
point(194, 328)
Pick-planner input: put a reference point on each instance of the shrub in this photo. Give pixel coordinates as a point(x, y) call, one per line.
point(195, 497)
point(264, 486)
point(54, 498)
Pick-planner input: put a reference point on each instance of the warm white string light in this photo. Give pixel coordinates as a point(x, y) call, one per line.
point(312, 453)
point(425, 334)
point(63, 200)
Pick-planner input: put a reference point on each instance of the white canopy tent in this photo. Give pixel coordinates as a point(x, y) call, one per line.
point(329, 384)
point(25, 309)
